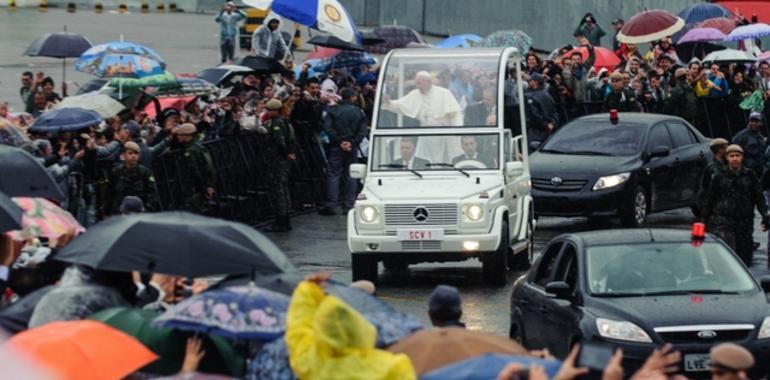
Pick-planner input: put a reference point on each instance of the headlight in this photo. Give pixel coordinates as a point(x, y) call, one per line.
point(764, 330)
point(474, 213)
point(621, 330)
point(611, 181)
point(369, 214)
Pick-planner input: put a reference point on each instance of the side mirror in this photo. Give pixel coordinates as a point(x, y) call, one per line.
point(358, 171)
point(765, 282)
point(660, 151)
point(534, 145)
point(558, 289)
point(513, 168)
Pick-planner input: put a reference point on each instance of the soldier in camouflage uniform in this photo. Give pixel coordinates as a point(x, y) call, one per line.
point(130, 178)
point(280, 150)
point(196, 172)
point(718, 148)
point(729, 204)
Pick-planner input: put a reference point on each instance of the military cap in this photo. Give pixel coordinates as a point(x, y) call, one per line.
point(732, 357)
point(755, 115)
point(273, 104)
point(185, 129)
point(132, 146)
point(718, 142)
point(734, 148)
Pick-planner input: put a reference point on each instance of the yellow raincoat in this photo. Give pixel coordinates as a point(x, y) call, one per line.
point(327, 339)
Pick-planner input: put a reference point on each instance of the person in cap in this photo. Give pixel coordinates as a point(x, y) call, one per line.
point(196, 180)
point(131, 205)
point(753, 143)
point(681, 100)
point(618, 24)
point(133, 132)
point(730, 361)
point(130, 179)
point(445, 307)
point(541, 114)
point(279, 151)
point(718, 148)
point(346, 125)
point(620, 98)
point(228, 20)
point(729, 203)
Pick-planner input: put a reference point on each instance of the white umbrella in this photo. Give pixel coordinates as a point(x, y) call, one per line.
point(102, 104)
point(729, 56)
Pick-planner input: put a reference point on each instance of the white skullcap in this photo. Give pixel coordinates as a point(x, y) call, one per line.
point(424, 75)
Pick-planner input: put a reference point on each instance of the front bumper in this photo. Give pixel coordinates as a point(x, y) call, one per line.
point(578, 203)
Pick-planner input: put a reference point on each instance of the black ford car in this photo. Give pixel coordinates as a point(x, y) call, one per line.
point(631, 166)
point(639, 289)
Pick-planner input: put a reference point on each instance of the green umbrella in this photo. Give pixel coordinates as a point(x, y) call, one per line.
point(169, 344)
point(162, 81)
point(754, 102)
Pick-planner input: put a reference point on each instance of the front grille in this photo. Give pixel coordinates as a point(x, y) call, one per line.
point(565, 185)
point(439, 214)
point(423, 245)
point(692, 336)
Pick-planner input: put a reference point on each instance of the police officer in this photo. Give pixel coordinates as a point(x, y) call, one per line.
point(730, 361)
point(621, 98)
point(196, 173)
point(753, 144)
point(729, 204)
point(718, 148)
point(130, 179)
point(280, 150)
point(542, 117)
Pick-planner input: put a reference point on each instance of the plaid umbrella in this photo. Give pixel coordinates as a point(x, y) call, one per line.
point(394, 37)
point(724, 25)
point(42, 218)
point(344, 59)
point(507, 38)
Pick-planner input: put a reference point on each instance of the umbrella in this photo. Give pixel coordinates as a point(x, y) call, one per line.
point(10, 133)
point(487, 366)
point(14, 318)
point(458, 41)
point(59, 45)
point(42, 218)
point(765, 56)
point(283, 283)
point(92, 85)
point(119, 65)
point(507, 38)
point(344, 59)
point(176, 243)
point(428, 348)
point(166, 80)
point(176, 103)
point(102, 104)
point(65, 119)
point(703, 11)
point(189, 85)
point(242, 312)
point(219, 74)
point(321, 53)
point(272, 362)
point(729, 56)
point(83, 350)
point(260, 65)
point(325, 15)
point(333, 42)
point(605, 58)
point(750, 31)
point(702, 35)
point(122, 48)
point(686, 51)
point(649, 26)
point(418, 45)
point(724, 25)
point(10, 214)
point(22, 175)
point(170, 344)
point(394, 36)
point(744, 7)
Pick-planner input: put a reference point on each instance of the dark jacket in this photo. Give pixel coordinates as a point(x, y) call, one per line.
point(125, 181)
point(754, 145)
point(345, 122)
point(732, 198)
point(682, 102)
point(624, 101)
point(417, 164)
point(476, 114)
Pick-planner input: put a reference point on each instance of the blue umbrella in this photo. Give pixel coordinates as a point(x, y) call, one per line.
point(271, 362)
point(119, 65)
point(487, 367)
point(702, 11)
point(749, 31)
point(344, 59)
point(325, 15)
point(241, 312)
point(65, 119)
point(122, 47)
point(311, 72)
point(458, 41)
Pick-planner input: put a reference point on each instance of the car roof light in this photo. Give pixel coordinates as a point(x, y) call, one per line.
point(614, 116)
point(698, 234)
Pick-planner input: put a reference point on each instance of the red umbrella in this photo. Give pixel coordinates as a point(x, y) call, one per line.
point(722, 24)
point(650, 26)
point(605, 58)
point(177, 103)
point(322, 52)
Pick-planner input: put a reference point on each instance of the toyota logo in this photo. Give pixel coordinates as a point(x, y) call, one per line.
point(707, 334)
point(420, 214)
point(556, 181)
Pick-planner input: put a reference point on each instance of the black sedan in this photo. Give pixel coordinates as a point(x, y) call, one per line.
point(639, 289)
point(638, 164)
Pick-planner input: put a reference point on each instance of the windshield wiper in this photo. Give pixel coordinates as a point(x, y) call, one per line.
point(401, 166)
point(589, 153)
point(553, 151)
point(445, 165)
point(689, 292)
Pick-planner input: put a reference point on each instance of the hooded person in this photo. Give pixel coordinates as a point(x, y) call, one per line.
point(328, 339)
point(267, 40)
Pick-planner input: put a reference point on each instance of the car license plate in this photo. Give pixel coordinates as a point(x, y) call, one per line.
point(417, 235)
point(696, 362)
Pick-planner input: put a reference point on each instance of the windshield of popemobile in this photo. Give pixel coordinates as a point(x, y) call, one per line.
point(467, 151)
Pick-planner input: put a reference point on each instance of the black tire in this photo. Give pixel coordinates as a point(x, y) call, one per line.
point(495, 263)
point(523, 260)
point(364, 267)
point(396, 264)
point(634, 212)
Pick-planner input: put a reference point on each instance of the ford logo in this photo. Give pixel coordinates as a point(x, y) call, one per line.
point(556, 181)
point(707, 334)
point(420, 214)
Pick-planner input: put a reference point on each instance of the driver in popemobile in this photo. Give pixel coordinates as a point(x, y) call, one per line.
point(470, 147)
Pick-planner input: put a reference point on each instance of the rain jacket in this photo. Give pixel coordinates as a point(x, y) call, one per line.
point(327, 339)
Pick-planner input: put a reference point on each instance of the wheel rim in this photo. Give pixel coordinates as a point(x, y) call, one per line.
point(640, 207)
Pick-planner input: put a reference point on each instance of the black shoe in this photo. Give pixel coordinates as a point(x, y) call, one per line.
point(327, 211)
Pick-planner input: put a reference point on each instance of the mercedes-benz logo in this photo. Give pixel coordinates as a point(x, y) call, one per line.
point(556, 181)
point(707, 334)
point(420, 214)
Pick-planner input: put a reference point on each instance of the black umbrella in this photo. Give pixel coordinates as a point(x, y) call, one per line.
point(689, 50)
point(176, 243)
point(15, 317)
point(59, 45)
point(22, 175)
point(261, 65)
point(219, 74)
point(334, 42)
point(92, 85)
point(395, 36)
point(10, 214)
